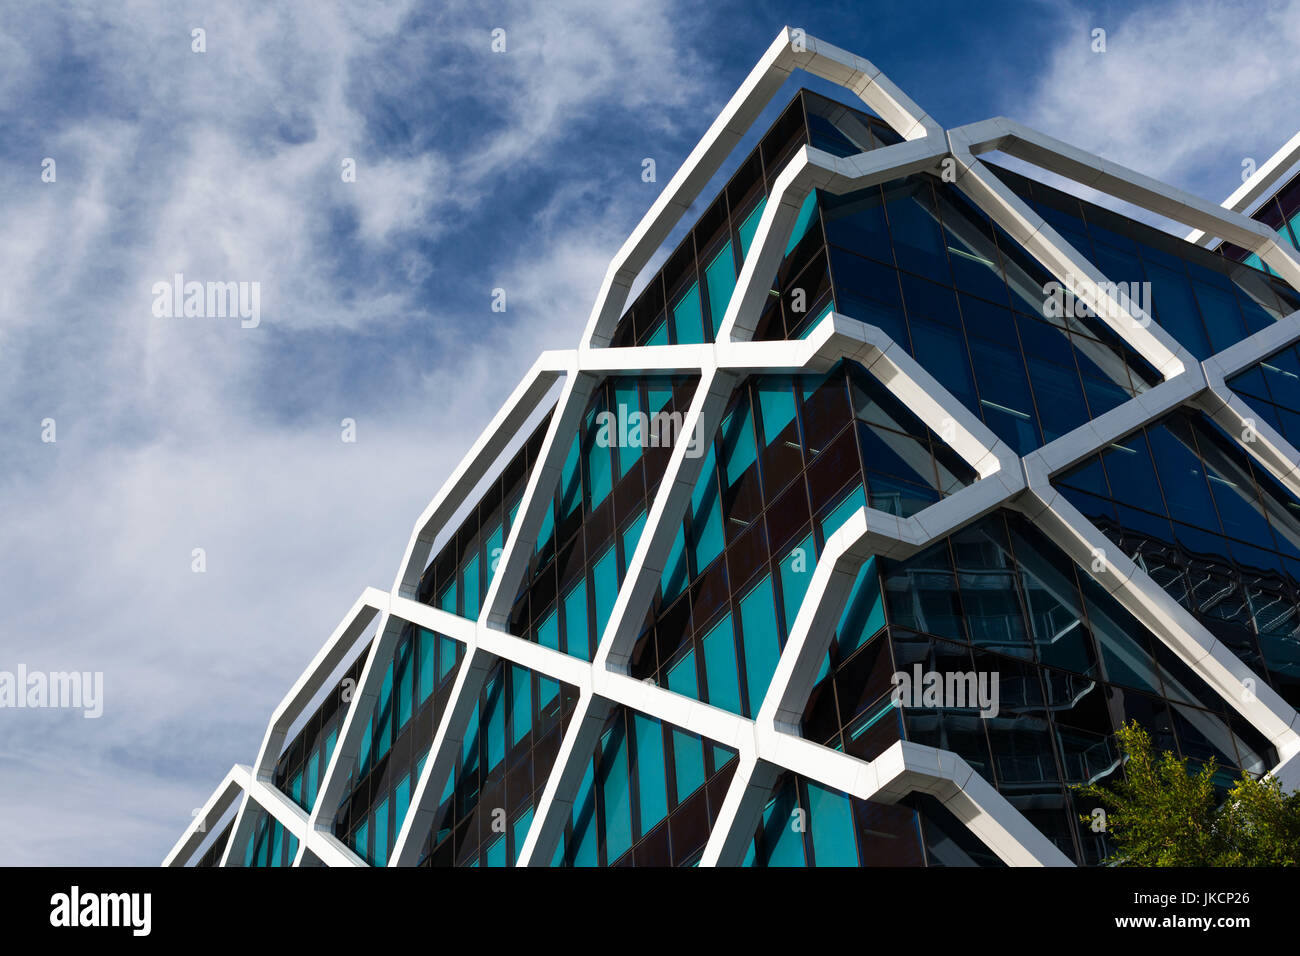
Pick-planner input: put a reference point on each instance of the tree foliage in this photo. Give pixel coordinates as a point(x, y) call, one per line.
point(1161, 814)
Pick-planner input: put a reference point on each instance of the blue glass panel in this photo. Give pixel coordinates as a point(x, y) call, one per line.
point(495, 730)
point(424, 662)
point(570, 485)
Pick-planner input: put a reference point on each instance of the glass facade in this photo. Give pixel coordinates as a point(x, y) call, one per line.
point(302, 766)
point(1187, 503)
point(686, 300)
point(1281, 213)
point(1072, 665)
point(649, 796)
point(795, 456)
point(598, 510)
point(268, 843)
point(505, 758)
point(416, 686)
point(808, 824)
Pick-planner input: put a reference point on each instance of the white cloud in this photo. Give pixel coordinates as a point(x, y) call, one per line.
point(1185, 90)
point(162, 448)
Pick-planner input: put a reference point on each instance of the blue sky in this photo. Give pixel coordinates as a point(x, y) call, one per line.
point(475, 170)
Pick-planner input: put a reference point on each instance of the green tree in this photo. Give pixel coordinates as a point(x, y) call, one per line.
point(1161, 814)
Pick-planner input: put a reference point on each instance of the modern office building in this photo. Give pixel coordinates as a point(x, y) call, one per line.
point(888, 408)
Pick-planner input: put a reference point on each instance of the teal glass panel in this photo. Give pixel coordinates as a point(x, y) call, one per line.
point(631, 536)
point(651, 772)
point(427, 643)
point(675, 570)
point(495, 731)
point(362, 843)
point(776, 405)
point(660, 335)
point(447, 653)
point(277, 844)
point(496, 853)
point(830, 818)
point(599, 469)
point(584, 821)
point(547, 691)
point(796, 574)
point(738, 444)
point(688, 760)
point(864, 615)
point(784, 843)
point(548, 632)
point(682, 679)
point(547, 529)
point(293, 849)
point(472, 585)
point(570, 484)
point(522, 823)
point(295, 788)
point(657, 398)
point(404, 687)
point(495, 545)
point(604, 579)
point(521, 703)
point(688, 320)
point(618, 799)
point(628, 405)
point(845, 510)
point(313, 780)
point(750, 226)
point(721, 673)
point(401, 802)
point(804, 221)
point(330, 741)
point(760, 639)
point(448, 600)
point(381, 834)
point(706, 521)
point(576, 641)
point(720, 278)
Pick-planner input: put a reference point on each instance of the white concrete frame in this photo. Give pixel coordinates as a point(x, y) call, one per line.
point(771, 742)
